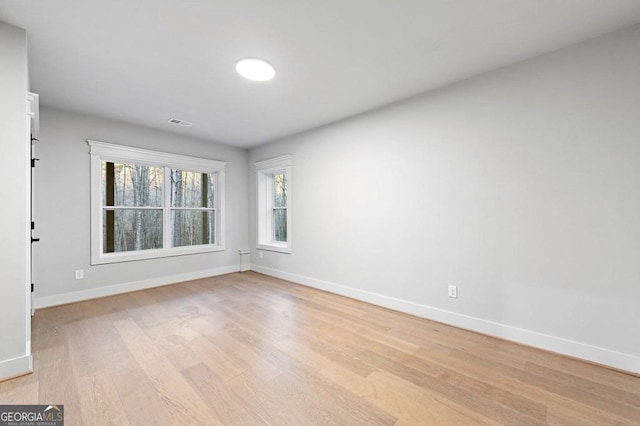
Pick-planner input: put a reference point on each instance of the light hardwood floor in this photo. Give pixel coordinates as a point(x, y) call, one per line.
point(246, 349)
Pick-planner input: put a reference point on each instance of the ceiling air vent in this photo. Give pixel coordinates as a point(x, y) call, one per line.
point(180, 122)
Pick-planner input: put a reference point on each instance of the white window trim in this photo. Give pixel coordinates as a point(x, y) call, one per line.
point(101, 151)
point(264, 176)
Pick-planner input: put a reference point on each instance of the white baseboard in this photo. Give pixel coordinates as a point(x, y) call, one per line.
point(16, 367)
point(619, 360)
point(94, 293)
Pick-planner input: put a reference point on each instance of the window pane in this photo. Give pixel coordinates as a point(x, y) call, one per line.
point(191, 189)
point(279, 190)
point(193, 227)
point(280, 225)
point(131, 185)
point(130, 230)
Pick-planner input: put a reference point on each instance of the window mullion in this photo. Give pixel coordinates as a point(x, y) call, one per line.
point(204, 192)
point(113, 208)
point(270, 204)
point(198, 209)
point(166, 208)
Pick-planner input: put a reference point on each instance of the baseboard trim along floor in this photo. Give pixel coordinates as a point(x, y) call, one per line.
point(617, 360)
point(95, 293)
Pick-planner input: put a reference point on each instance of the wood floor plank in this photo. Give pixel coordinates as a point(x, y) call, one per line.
point(442, 408)
point(180, 400)
point(569, 416)
point(326, 403)
point(303, 354)
point(586, 386)
point(519, 382)
point(230, 409)
point(142, 403)
point(596, 397)
point(85, 361)
point(264, 403)
point(99, 401)
point(59, 385)
point(388, 340)
point(482, 398)
point(486, 389)
point(223, 365)
point(401, 405)
point(249, 349)
point(19, 390)
point(304, 387)
point(248, 360)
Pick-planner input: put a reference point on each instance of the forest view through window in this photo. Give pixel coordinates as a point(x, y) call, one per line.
point(133, 199)
point(280, 207)
point(273, 185)
point(132, 196)
point(147, 210)
point(193, 214)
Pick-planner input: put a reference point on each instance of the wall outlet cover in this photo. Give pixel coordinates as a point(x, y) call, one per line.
point(453, 291)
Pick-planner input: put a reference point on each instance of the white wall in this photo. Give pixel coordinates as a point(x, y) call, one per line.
point(62, 210)
point(15, 357)
point(521, 187)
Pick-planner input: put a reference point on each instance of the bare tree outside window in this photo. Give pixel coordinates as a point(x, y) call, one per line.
point(132, 214)
point(279, 207)
point(193, 213)
point(132, 196)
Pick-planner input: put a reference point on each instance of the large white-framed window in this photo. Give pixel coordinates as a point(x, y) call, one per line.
point(149, 204)
point(273, 183)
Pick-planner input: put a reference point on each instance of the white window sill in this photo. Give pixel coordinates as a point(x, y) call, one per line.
point(152, 254)
point(279, 248)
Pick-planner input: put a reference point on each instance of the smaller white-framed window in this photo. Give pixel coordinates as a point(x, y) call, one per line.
point(149, 204)
point(273, 184)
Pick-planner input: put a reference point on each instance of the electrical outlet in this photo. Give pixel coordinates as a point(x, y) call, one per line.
point(453, 291)
point(79, 274)
point(260, 255)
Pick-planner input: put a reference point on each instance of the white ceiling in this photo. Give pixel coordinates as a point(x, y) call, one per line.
point(146, 61)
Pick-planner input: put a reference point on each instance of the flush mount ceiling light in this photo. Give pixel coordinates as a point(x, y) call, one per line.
point(255, 69)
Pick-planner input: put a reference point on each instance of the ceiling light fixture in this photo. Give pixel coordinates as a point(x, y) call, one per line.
point(255, 69)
